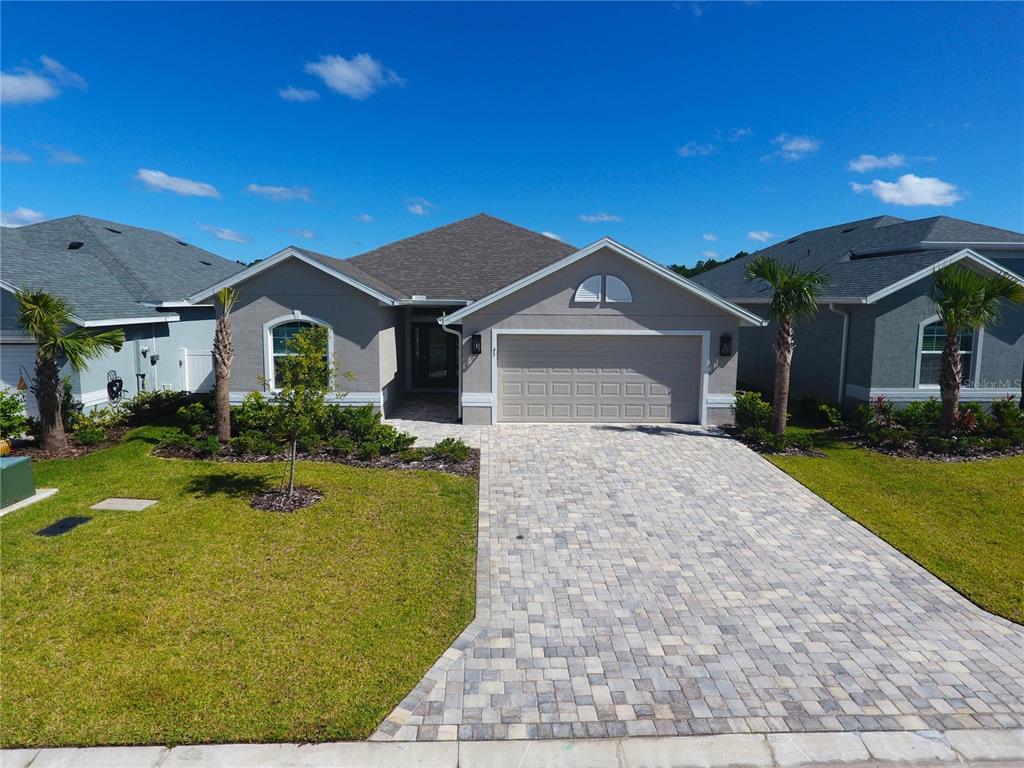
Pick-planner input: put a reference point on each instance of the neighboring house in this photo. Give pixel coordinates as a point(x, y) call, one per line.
point(113, 276)
point(877, 331)
point(515, 325)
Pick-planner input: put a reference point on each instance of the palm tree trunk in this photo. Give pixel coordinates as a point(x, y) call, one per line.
point(291, 471)
point(223, 356)
point(949, 379)
point(47, 390)
point(784, 345)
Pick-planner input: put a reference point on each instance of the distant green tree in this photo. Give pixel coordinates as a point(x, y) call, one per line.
point(704, 265)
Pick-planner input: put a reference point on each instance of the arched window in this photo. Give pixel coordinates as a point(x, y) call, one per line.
point(616, 290)
point(589, 291)
point(278, 335)
point(933, 339)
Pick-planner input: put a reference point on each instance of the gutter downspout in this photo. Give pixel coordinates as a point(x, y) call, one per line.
point(458, 335)
point(845, 344)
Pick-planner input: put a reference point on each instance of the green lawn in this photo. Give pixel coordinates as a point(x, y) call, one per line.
point(201, 619)
point(964, 522)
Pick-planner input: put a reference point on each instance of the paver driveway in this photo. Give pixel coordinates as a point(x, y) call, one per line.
point(642, 580)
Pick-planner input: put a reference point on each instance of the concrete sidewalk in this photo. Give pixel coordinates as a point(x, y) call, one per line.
point(993, 748)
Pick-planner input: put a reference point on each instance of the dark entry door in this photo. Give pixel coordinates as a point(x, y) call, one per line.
point(434, 357)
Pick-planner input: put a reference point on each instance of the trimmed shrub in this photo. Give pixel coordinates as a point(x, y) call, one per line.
point(208, 446)
point(151, 406)
point(831, 415)
point(751, 411)
point(13, 421)
point(341, 445)
point(195, 418)
point(89, 435)
point(255, 414)
point(920, 415)
point(452, 449)
point(1008, 419)
point(253, 444)
point(358, 421)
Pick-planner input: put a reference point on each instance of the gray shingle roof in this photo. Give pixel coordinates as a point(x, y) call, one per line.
point(116, 267)
point(467, 259)
point(859, 257)
point(346, 267)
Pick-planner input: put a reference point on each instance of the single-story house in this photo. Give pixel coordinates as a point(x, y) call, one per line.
point(113, 276)
point(877, 331)
point(515, 325)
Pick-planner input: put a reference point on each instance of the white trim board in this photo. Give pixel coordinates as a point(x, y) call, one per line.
point(721, 401)
point(705, 344)
point(914, 394)
point(277, 258)
point(606, 242)
point(346, 398)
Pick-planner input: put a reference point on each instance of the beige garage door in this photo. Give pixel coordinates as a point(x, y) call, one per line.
point(599, 378)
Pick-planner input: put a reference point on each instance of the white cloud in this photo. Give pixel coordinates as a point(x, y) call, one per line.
point(552, 235)
point(740, 133)
point(909, 189)
point(159, 181)
point(291, 93)
point(871, 162)
point(695, 149)
point(419, 206)
point(62, 74)
point(280, 194)
point(709, 254)
point(357, 77)
point(27, 86)
point(223, 233)
point(365, 218)
point(710, 237)
point(19, 217)
point(305, 234)
point(58, 156)
point(24, 87)
point(761, 235)
point(793, 148)
point(9, 155)
point(599, 217)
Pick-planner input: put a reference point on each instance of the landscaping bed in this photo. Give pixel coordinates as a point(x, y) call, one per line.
point(203, 620)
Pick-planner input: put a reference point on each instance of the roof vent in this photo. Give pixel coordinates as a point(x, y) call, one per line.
point(74, 245)
point(848, 229)
point(792, 241)
point(115, 231)
point(207, 263)
point(182, 242)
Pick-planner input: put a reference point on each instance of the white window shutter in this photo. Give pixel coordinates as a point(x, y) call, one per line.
point(589, 291)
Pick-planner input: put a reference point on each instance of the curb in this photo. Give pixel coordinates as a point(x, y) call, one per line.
point(994, 748)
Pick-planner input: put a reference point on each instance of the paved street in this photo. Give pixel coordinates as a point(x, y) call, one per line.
point(640, 581)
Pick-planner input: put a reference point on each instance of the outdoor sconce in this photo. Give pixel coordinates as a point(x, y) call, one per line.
point(725, 345)
point(476, 344)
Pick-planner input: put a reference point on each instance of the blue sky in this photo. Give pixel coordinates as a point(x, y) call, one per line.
point(677, 129)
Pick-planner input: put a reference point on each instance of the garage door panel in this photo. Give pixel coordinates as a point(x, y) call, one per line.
point(650, 378)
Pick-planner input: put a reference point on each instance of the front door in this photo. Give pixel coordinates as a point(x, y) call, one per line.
point(434, 357)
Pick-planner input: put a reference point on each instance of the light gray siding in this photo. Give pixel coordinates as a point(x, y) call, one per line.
point(354, 317)
point(548, 304)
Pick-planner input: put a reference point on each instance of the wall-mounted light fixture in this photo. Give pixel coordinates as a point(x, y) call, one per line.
point(476, 344)
point(725, 345)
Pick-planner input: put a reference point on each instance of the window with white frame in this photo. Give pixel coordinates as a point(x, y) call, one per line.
point(933, 340)
point(281, 348)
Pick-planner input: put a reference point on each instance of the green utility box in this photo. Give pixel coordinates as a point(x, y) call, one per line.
point(16, 480)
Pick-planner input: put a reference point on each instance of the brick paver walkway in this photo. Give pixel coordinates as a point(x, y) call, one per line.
point(640, 581)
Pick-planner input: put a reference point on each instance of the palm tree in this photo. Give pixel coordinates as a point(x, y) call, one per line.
point(794, 295)
point(223, 355)
point(965, 301)
point(47, 318)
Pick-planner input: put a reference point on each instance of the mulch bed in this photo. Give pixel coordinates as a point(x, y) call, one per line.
point(468, 468)
point(33, 451)
point(914, 450)
point(280, 501)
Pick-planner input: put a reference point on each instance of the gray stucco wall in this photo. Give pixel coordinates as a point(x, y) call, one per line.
point(897, 328)
point(816, 359)
point(548, 304)
point(390, 354)
point(354, 317)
